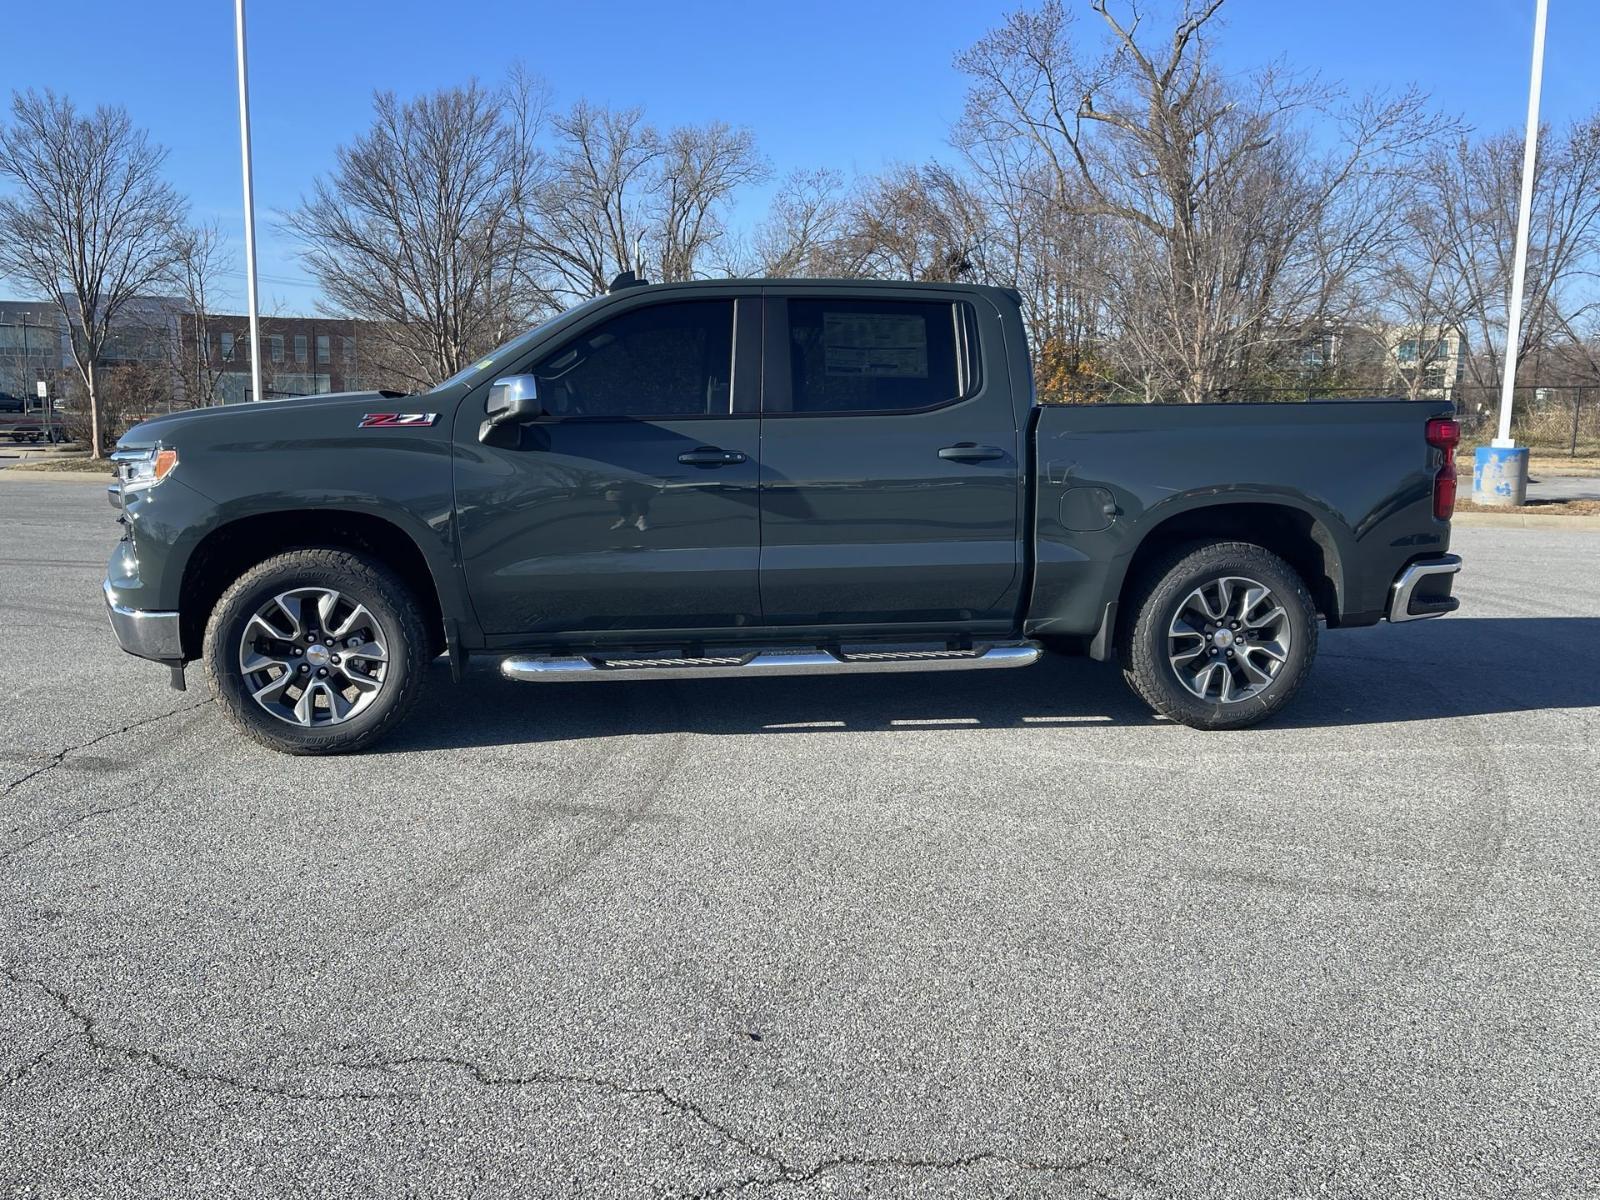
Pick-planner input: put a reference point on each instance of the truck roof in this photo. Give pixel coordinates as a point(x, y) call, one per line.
point(829, 281)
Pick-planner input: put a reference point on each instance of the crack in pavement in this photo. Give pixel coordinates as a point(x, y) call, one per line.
point(26, 1068)
point(782, 1172)
point(77, 820)
point(487, 1078)
point(89, 1030)
point(61, 756)
point(800, 1178)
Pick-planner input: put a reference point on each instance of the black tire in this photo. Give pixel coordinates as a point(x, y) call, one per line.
point(373, 585)
point(1154, 603)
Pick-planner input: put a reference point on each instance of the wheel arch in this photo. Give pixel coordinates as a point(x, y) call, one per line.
point(232, 548)
point(1298, 535)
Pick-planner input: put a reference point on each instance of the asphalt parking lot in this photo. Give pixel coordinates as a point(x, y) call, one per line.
point(900, 936)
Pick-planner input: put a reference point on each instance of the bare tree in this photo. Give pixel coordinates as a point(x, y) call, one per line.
point(200, 256)
point(623, 197)
point(921, 223)
point(1475, 195)
point(1419, 298)
point(700, 168)
point(1227, 233)
point(803, 227)
point(589, 217)
point(91, 223)
point(1050, 252)
point(422, 226)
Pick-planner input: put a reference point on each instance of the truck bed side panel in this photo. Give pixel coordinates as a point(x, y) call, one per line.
point(1360, 471)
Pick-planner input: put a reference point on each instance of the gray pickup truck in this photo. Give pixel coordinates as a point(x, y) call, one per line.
point(765, 477)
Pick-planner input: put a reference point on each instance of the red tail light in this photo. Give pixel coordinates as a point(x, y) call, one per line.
point(1444, 433)
point(1444, 491)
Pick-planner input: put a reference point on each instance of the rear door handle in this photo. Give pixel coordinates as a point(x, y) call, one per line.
point(710, 456)
point(971, 452)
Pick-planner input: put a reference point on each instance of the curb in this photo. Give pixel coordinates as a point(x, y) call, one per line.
point(1516, 520)
point(105, 480)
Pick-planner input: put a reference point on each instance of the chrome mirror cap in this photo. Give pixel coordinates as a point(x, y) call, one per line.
point(514, 394)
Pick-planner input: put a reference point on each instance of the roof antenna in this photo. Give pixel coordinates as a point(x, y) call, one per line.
point(626, 280)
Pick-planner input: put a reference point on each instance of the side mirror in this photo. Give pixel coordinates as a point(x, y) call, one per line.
point(513, 402)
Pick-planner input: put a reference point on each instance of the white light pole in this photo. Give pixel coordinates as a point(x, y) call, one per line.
point(1500, 472)
point(250, 205)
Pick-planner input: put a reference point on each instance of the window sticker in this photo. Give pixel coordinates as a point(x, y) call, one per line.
point(875, 345)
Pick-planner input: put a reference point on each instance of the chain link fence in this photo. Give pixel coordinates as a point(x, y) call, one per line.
point(1555, 418)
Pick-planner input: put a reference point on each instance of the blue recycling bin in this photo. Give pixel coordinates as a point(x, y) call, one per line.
point(1500, 475)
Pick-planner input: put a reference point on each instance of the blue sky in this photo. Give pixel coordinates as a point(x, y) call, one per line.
point(853, 85)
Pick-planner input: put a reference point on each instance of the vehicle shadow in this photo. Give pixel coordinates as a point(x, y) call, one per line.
point(1453, 667)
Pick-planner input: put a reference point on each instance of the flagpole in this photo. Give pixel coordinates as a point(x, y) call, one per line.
point(1519, 265)
point(249, 205)
point(1500, 470)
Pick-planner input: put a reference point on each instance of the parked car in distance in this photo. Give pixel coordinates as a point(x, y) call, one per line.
point(37, 425)
point(765, 477)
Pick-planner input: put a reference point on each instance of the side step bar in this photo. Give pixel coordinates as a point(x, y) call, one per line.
point(752, 663)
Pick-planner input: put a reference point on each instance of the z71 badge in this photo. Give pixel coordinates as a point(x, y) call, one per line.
point(377, 420)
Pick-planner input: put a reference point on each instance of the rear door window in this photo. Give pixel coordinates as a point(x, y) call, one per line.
point(862, 356)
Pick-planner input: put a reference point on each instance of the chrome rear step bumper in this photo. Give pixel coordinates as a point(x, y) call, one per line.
point(747, 664)
point(1423, 589)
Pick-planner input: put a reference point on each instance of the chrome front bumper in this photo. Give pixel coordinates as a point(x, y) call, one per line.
point(1423, 589)
point(152, 635)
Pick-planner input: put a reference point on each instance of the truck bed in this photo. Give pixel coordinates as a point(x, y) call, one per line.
point(1357, 475)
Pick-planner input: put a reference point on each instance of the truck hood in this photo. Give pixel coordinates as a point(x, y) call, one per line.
point(173, 424)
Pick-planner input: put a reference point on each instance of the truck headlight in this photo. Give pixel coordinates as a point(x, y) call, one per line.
point(144, 467)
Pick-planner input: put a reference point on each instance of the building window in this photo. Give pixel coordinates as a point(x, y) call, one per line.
point(227, 345)
point(276, 344)
point(324, 348)
point(300, 347)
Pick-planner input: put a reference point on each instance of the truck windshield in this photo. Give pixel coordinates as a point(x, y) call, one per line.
point(506, 354)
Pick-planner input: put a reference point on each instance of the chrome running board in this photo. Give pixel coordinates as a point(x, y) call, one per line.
point(751, 663)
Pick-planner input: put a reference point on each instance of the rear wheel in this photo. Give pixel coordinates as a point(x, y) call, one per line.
point(317, 651)
point(1222, 635)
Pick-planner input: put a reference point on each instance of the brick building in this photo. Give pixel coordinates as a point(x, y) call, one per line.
point(300, 356)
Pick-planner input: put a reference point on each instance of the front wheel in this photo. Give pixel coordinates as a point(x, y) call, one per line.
point(317, 651)
point(1221, 635)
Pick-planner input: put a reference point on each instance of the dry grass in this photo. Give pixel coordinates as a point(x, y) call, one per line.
point(1541, 462)
point(88, 466)
point(1548, 508)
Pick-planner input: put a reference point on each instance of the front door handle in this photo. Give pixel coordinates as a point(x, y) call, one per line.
point(971, 452)
point(710, 456)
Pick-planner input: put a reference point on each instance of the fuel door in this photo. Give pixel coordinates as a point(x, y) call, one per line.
point(1087, 509)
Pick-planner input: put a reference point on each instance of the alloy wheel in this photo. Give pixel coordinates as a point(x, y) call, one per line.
point(1229, 639)
point(313, 657)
